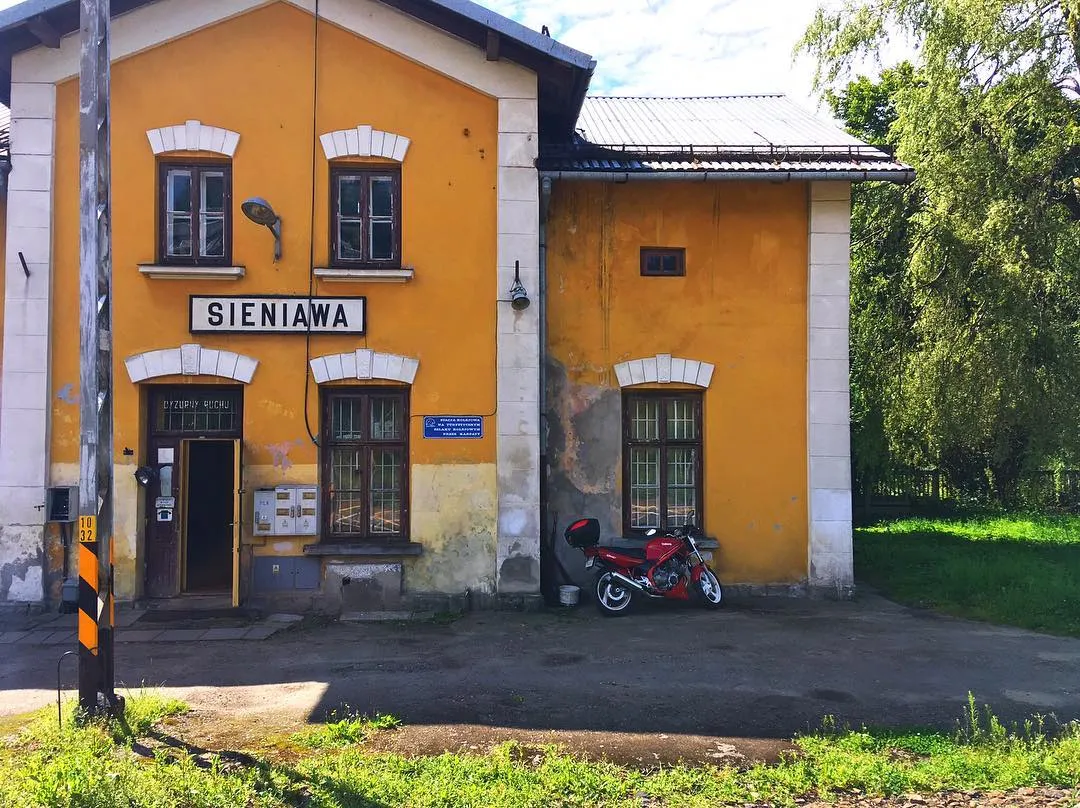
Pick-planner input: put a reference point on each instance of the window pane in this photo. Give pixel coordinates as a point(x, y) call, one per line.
point(213, 192)
point(644, 419)
point(382, 241)
point(350, 237)
point(178, 237)
point(386, 418)
point(644, 487)
point(653, 264)
point(213, 236)
point(681, 423)
point(349, 194)
point(682, 485)
point(346, 483)
point(382, 196)
point(178, 195)
point(165, 481)
point(385, 496)
point(346, 419)
point(669, 264)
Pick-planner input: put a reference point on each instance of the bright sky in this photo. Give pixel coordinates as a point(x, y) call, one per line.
point(677, 47)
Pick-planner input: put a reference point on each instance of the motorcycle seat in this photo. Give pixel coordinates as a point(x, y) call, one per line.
point(626, 542)
point(627, 550)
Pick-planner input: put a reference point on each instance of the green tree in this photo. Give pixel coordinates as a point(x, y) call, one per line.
point(966, 285)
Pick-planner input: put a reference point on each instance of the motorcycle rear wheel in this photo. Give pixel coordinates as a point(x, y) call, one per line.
point(707, 590)
point(613, 598)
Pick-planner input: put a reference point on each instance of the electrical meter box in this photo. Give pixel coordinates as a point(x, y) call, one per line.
point(62, 503)
point(288, 510)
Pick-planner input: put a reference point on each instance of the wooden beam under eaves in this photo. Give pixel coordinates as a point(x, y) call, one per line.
point(40, 27)
point(492, 46)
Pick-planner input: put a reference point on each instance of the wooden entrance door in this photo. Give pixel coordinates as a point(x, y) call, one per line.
point(177, 416)
point(163, 513)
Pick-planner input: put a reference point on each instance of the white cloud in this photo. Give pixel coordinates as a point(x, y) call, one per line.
point(678, 47)
point(681, 47)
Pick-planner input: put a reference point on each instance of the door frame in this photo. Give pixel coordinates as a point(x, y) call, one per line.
point(184, 439)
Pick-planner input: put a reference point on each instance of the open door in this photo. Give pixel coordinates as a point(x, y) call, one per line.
point(236, 521)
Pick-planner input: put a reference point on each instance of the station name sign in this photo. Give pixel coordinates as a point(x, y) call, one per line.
point(277, 314)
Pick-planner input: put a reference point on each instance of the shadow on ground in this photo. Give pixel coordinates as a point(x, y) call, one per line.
point(760, 668)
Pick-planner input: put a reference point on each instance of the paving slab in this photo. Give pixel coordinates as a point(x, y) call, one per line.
point(375, 617)
point(8, 637)
point(261, 632)
point(138, 635)
point(180, 635)
point(60, 638)
point(36, 637)
point(128, 617)
point(284, 618)
point(225, 634)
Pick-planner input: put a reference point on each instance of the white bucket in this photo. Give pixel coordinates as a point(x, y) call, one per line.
point(568, 595)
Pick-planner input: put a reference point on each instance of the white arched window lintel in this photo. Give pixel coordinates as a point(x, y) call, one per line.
point(664, 369)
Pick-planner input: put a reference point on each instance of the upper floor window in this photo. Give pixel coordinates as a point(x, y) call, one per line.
point(661, 261)
point(365, 217)
point(194, 201)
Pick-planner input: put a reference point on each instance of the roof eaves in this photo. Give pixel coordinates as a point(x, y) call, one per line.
point(19, 13)
point(515, 30)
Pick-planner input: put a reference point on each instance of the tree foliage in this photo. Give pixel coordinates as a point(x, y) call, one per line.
point(966, 284)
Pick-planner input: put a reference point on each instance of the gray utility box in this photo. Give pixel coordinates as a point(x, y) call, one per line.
point(62, 503)
point(286, 573)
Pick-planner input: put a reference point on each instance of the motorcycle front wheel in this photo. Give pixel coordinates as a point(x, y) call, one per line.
point(613, 597)
point(708, 590)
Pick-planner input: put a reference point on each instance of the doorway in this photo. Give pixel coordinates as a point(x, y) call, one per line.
point(192, 538)
point(209, 514)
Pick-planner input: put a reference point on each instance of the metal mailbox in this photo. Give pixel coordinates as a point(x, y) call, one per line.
point(287, 510)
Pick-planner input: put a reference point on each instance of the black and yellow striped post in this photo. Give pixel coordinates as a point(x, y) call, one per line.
point(89, 660)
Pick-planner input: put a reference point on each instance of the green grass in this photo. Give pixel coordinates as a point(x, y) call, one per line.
point(93, 765)
point(1013, 570)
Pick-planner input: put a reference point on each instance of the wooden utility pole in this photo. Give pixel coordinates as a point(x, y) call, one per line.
point(96, 680)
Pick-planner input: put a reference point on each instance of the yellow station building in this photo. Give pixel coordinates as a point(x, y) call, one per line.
point(354, 408)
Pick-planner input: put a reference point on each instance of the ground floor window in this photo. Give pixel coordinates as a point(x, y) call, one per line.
point(365, 455)
point(662, 452)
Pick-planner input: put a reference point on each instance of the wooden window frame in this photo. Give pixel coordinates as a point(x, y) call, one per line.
point(327, 443)
point(196, 167)
point(368, 172)
point(679, 254)
point(663, 443)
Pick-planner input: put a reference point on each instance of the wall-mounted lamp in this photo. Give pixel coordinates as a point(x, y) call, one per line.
point(259, 211)
point(519, 298)
point(143, 475)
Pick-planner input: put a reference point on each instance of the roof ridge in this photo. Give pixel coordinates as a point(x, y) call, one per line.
point(682, 97)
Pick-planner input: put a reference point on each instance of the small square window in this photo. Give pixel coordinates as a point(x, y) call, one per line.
point(663, 261)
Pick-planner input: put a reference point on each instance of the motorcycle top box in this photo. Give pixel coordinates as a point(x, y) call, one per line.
point(583, 533)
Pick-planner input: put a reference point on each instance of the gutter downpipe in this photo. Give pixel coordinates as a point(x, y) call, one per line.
point(721, 176)
point(545, 201)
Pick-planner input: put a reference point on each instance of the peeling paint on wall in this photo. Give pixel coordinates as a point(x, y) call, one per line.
point(454, 516)
point(280, 454)
point(22, 564)
point(67, 394)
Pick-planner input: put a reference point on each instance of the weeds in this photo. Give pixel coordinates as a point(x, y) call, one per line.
point(347, 730)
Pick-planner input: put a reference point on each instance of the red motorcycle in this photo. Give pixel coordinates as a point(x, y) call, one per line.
point(665, 565)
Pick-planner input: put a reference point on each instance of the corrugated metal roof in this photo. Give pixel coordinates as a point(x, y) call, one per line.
point(634, 165)
point(739, 123)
